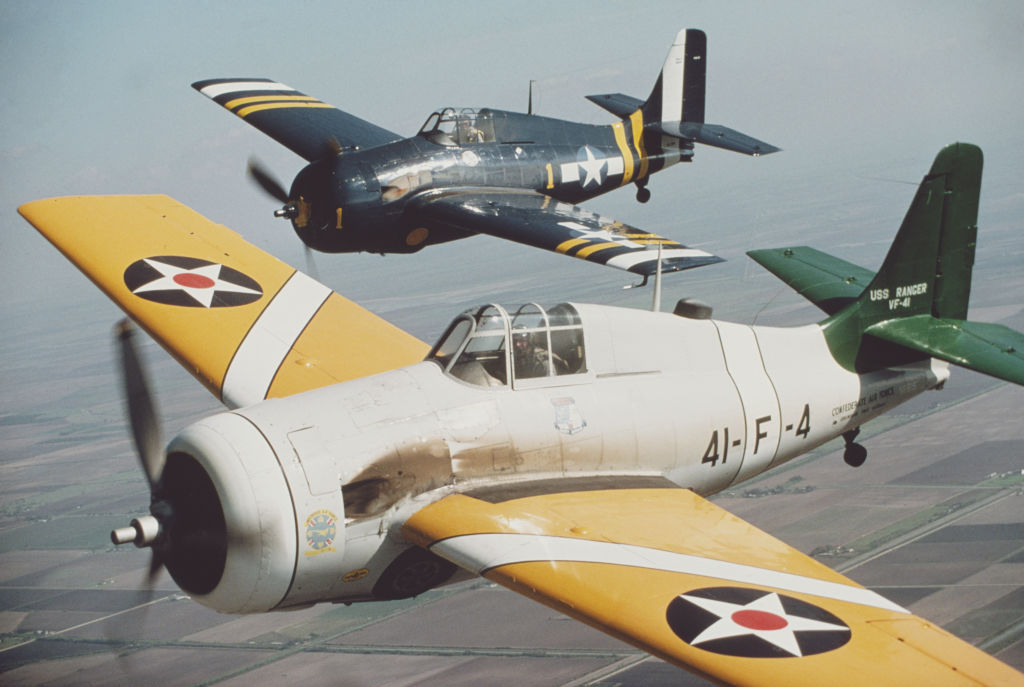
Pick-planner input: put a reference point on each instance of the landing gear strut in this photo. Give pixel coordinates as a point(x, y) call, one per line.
point(643, 194)
point(855, 454)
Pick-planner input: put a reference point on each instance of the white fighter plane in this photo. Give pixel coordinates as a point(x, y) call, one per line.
point(564, 452)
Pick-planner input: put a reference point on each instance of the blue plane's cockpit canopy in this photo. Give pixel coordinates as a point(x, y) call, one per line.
point(547, 345)
point(459, 126)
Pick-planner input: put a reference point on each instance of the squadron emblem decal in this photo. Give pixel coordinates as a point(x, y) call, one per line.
point(754, 623)
point(568, 418)
point(191, 282)
point(321, 531)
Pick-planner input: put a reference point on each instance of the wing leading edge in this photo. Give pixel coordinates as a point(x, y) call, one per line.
point(675, 575)
point(537, 220)
point(245, 324)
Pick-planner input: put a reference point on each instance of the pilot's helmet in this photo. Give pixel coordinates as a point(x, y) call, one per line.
point(521, 338)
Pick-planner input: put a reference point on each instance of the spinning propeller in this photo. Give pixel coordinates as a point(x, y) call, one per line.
point(289, 210)
point(275, 189)
point(142, 417)
point(262, 176)
point(185, 527)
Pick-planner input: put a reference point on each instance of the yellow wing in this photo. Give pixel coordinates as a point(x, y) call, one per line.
point(245, 324)
point(677, 576)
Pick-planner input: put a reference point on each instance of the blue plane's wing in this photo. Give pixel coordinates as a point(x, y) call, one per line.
point(537, 220)
point(307, 126)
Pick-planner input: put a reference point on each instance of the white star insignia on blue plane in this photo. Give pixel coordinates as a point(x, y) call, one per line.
point(592, 167)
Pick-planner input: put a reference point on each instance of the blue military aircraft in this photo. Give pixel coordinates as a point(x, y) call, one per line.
point(468, 171)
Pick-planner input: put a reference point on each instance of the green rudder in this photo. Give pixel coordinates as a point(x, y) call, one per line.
point(928, 268)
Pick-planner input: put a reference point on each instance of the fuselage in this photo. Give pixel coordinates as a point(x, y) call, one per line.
point(358, 200)
point(621, 397)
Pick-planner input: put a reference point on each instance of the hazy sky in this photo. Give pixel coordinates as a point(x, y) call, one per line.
point(96, 97)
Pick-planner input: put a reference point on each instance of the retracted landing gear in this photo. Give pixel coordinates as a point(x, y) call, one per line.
point(643, 194)
point(855, 454)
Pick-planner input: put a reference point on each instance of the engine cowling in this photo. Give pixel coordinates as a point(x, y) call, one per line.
point(301, 492)
point(337, 205)
point(236, 476)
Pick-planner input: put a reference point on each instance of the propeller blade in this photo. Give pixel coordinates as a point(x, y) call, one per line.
point(122, 628)
point(155, 565)
point(266, 181)
point(142, 414)
point(332, 146)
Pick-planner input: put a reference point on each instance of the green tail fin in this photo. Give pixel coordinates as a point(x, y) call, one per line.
point(916, 304)
point(928, 268)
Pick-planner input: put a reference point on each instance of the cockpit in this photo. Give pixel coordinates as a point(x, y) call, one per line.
point(546, 346)
point(459, 126)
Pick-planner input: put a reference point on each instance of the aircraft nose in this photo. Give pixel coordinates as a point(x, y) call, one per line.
point(312, 204)
point(231, 490)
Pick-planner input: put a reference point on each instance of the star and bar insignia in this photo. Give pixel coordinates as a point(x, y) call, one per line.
point(754, 623)
point(190, 282)
point(590, 169)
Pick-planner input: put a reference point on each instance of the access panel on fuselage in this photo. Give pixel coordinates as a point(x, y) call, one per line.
point(758, 439)
point(665, 376)
point(810, 386)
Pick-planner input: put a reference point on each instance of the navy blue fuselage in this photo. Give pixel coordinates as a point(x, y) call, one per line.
point(358, 200)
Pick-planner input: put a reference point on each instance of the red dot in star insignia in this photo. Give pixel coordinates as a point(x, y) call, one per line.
point(758, 620)
point(191, 280)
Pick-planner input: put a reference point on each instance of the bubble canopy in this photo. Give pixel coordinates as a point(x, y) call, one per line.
point(459, 126)
point(546, 345)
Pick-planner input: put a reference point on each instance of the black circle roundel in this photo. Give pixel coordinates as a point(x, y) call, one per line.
point(190, 282)
point(754, 623)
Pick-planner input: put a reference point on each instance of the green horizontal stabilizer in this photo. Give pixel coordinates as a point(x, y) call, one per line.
point(825, 280)
point(990, 348)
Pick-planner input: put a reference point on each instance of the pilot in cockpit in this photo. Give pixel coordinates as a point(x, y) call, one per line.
point(531, 357)
point(467, 132)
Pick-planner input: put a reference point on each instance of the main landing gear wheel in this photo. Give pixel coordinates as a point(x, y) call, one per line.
point(855, 454)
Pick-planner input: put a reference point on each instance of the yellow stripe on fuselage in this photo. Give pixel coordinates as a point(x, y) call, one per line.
point(627, 157)
point(232, 104)
point(636, 121)
point(246, 111)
